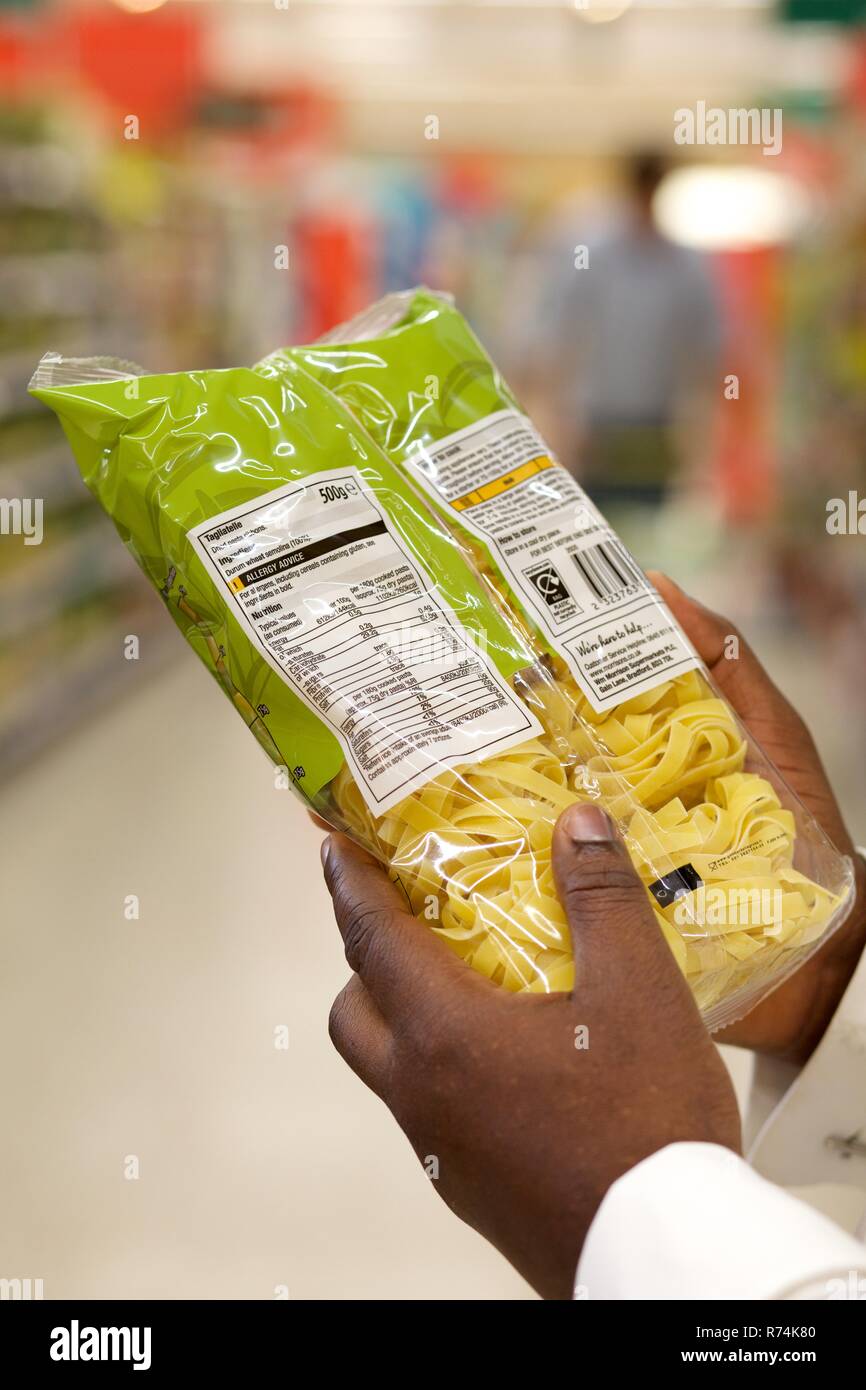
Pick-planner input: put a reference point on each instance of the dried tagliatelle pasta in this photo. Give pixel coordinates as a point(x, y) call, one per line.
point(742, 882)
point(440, 643)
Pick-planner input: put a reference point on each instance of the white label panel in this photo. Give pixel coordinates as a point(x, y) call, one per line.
point(573, 575)
point(329, 593)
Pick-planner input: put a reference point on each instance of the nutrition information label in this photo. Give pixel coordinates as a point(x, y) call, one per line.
point(331, 595)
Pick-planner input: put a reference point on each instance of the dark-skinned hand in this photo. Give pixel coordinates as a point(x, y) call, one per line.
point(792, 1020)
point(526, 1108)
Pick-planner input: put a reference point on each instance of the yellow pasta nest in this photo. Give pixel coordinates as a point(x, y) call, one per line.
point(471, 849)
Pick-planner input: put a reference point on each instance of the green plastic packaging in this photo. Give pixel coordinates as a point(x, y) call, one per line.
point(166, 454)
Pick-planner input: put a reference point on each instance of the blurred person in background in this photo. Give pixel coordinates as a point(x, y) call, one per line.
point(624, 342)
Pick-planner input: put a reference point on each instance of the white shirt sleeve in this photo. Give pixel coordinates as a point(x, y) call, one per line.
point(696, 1221)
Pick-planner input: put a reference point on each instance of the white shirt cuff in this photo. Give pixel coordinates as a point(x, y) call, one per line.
point(695, 1221)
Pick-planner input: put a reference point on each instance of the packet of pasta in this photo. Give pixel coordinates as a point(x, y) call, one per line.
point(743, 882)
point(376, 639)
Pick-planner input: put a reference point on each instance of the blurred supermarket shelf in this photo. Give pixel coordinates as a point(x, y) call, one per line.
point(70, 600)
point(68, 672)
point(48, 473)
point(61, 283)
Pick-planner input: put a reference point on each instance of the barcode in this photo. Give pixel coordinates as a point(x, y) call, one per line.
point(607, 569)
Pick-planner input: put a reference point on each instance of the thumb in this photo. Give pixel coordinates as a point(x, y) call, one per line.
point(613, 931)
point(727, 654)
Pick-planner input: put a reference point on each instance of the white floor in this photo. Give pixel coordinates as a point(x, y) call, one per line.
point(154, 1037)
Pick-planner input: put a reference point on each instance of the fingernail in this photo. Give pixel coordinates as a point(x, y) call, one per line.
point(660, 574)
point(584, 821)
point(325, 850)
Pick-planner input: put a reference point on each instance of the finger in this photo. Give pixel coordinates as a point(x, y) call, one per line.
point(708, 632)
point(770, 718)
point(399, 960)
point(317, 820)
point(360, 1035)
point(610, 918)
point(727, 654)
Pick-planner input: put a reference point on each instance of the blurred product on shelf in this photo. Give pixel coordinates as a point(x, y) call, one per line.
point(68, 601)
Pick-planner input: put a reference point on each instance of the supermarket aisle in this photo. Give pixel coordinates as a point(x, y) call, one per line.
point(155, 1037)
